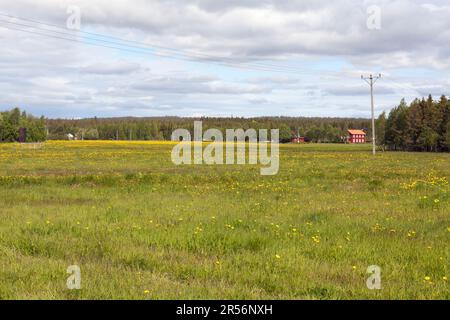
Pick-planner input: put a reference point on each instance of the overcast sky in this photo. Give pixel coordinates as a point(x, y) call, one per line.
point(221, 57)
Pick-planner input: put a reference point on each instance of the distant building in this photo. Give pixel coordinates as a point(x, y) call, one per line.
point(70, 136)
point(356, 136)
point(298, 140)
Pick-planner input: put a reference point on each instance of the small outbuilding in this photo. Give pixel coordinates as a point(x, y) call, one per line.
point(356, 136)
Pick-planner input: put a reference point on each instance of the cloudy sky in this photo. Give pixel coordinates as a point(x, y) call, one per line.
point(220, 57)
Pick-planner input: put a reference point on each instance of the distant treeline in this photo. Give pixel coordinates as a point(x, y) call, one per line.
point(12, 121)
point(325, 130)
point(422, 126)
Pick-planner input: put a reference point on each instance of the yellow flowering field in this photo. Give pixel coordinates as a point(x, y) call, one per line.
point(140, 227)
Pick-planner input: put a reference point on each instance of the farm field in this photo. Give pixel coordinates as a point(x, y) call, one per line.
point(140, 227)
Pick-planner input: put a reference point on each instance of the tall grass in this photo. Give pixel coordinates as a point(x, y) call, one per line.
point(140, 227)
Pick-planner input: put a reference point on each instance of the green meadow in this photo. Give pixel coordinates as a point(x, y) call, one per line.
point(140, 227)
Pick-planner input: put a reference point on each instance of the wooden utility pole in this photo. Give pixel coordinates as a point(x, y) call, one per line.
point(371, 81)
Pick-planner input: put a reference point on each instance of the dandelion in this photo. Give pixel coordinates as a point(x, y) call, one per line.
point(277, 256)
point(377, 227)
point(427, 278)
point(436, 201)
point(316, 239)
point(354, 267)
point(146, 291)
point(411, 234)
point(444, 278)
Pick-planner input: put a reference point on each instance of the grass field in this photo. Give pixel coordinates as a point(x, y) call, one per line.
point(140, 227)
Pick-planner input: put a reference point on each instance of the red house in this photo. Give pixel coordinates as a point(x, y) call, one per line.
point(356, 136)
point(298, 140)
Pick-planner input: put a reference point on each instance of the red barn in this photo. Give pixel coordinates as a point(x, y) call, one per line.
point(356, 136)
point(298, 140)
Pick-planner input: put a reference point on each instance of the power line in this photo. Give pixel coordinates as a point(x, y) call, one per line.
point(403, 86)
point(180, 55)
point(186, 52)
point(134, 49)
point(141, 52)
point(177, 51)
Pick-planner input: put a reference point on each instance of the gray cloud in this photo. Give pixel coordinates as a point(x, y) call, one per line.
point(274, 29)
point(196, 85)
point(56, 77)
point(116, 68)
point(357, 90)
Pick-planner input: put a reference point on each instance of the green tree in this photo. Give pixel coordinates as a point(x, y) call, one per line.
point(397, 127)
point(446, 141)
point(380, 126)
point(285, 133)
point(12, 121)
point(428, 139)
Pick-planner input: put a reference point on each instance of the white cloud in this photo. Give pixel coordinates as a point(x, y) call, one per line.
point(116, 68)
point(41, 73)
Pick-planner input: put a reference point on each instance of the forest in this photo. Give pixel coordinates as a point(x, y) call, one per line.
point(423, 125)
point(322, 130)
